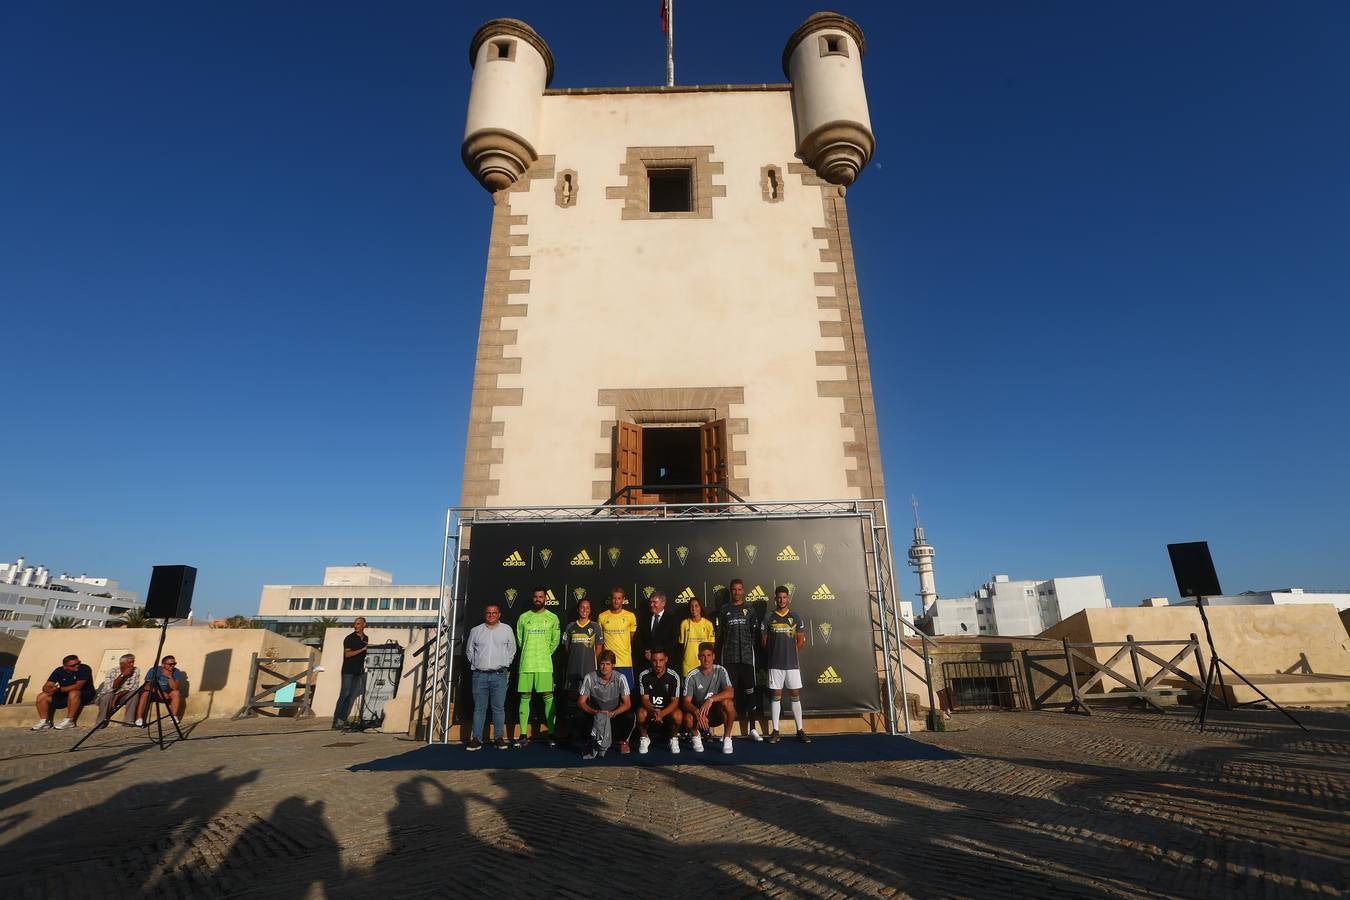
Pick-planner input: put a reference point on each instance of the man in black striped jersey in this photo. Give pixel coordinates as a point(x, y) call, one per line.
point(660, 695)
point(737, 636)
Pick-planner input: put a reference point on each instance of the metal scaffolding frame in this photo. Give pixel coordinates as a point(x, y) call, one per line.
point(888, 628)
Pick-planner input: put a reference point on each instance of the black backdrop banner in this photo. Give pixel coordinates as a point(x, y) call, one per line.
point(822, 562)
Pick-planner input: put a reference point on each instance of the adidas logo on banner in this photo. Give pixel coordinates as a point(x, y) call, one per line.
point(685, 595)
point(829, 676)
point(822, 593)
point(719, 556)
point(515, 559)
point(550, 600)
point(583, 559)
point(787, 554)
point(651, 558)
point(757, 594)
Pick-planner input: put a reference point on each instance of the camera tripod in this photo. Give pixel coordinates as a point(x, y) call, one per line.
point(157, 704)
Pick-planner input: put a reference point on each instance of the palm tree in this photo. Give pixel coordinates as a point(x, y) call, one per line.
point(320, 626)
point(135, 618)
point(64, 622)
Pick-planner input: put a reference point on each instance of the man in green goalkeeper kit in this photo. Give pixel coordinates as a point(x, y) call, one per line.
point(537, 633)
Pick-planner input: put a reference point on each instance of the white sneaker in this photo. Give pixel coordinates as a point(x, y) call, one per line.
point(755, 735)
point(42, 725)
point(674, 745)
point(65, 723)
point(644, 744)
point(140, 723)
point(698, 743)
point(726, 745)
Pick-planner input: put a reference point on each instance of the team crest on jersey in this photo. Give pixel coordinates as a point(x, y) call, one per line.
point(757, 594)
point(545, 556)
point(648, 591)
point(651, 558)
point(514, 559)
point(829, 676)
point(819, 549)
point(822, 593)
point(682, 554)
point(719, 555)
point(751, 551)
point(825, 629)
point(511, 594)
point(614, 554)
point(578, 594)
point(788, 554)
point(583, 559)
point(685, 595)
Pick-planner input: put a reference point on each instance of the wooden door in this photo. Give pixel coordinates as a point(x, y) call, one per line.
point(627, 460)
point(713, 447)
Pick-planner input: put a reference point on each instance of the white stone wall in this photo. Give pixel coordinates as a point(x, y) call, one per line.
point(719, 302)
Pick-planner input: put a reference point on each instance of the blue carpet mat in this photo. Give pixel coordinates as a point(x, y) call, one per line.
point(849, 748)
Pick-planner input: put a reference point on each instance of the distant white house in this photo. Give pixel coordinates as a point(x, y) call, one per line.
point(1008, 607)
point(348, 592)
point(30, 597)
point(1281, 597)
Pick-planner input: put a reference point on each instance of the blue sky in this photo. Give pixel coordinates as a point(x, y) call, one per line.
point(1103, 253)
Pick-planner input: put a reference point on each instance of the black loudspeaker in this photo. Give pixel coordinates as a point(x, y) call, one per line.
point(1194, 569)
point(170, 594)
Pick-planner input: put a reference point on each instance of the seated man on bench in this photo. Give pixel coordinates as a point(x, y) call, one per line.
point(166, 683)
point(117, 687)
point(70, 687)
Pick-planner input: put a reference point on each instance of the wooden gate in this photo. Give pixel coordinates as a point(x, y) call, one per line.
point(1087, 678)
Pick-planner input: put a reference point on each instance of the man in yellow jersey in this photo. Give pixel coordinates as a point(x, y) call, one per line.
point(619, 625)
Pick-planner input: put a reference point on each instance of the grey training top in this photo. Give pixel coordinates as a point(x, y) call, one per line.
point(602, 694)
point(699, 687)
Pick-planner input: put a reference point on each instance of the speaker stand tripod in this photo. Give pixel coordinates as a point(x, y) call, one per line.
point(1214, 673)
point(156, 710)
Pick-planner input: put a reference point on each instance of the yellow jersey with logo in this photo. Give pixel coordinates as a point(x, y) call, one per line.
point(691, 635)
point(619, 628)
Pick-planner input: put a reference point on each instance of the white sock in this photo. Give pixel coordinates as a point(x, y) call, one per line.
point(797, 712)
point(775, 710)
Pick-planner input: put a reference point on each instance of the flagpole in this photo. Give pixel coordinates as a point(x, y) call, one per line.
point(670, 42)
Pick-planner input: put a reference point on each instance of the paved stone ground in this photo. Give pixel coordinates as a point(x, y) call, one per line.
point(1122, 804)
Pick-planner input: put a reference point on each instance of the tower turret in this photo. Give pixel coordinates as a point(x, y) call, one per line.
point(921, 555)
point(823, 60)
point(511, 67)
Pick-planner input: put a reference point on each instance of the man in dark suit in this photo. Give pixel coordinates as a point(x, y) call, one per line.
point(660, 631)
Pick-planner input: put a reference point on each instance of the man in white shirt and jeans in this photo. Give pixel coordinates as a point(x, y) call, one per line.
point(490, 648)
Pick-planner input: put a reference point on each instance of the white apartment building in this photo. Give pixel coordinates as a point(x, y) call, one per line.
point(30, 597)
point(1018, 608)
point(348, 592)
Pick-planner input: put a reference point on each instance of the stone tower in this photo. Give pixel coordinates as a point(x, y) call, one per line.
point(670, 295)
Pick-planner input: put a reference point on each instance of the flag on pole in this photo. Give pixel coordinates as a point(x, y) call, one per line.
point(665, 21)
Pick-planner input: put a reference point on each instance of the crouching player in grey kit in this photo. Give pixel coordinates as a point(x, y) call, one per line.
point(708, 700)
point(605, 695)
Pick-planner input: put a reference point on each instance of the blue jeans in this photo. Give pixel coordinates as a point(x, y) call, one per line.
point(352, 687)
point(489, 689)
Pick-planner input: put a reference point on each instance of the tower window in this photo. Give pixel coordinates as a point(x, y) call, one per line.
point(502, 50)
point(833, 45)
point(670, 190)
